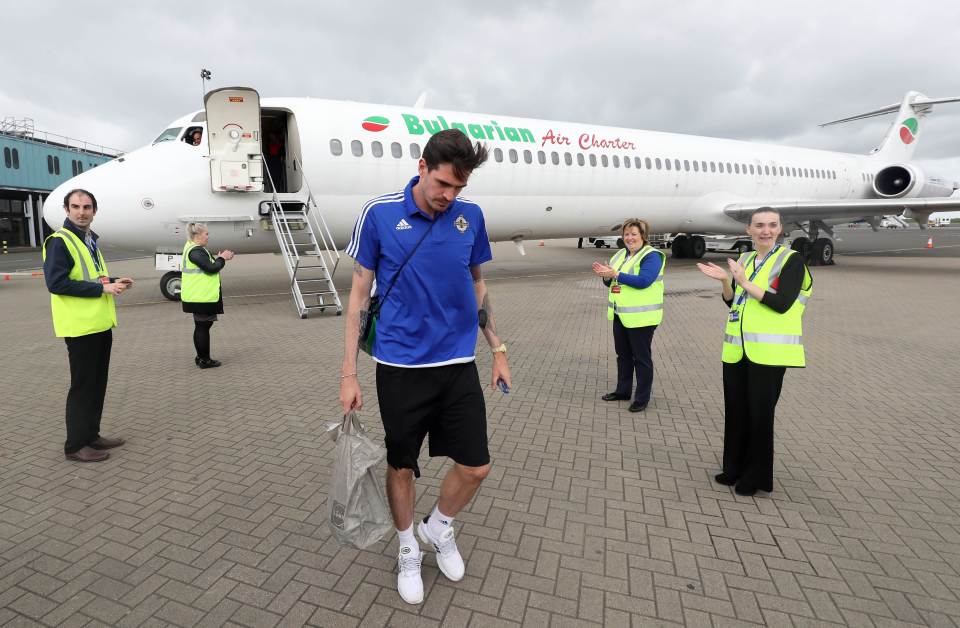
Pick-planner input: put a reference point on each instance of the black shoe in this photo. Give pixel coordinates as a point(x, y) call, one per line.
point(208, 364)
point(197, 360)
point(637, 407)
point(614, 397)
point(726, 480)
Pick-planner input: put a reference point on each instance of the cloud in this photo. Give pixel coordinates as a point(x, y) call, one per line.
point(117, 73)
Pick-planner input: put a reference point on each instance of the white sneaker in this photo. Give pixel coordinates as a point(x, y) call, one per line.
point(448, 556)
point(409, 582)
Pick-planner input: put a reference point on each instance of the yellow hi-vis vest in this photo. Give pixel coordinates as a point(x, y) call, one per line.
point(636, 307)
point(766, 336)
point(196, 285)
point(81, 316)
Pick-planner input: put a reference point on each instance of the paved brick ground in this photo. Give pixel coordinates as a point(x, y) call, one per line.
point(213, 513)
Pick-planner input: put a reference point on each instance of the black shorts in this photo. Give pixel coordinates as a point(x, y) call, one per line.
point(445, 402)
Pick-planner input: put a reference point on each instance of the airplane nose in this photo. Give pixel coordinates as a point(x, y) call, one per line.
point(53, 212)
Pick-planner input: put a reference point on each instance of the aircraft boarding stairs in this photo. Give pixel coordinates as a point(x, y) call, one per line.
point(310, 262)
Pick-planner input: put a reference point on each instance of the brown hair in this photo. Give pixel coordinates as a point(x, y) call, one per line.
point(642, 225)
point(451, 146)
point(93, 199)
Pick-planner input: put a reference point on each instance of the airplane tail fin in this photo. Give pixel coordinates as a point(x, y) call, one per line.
point(901, 139)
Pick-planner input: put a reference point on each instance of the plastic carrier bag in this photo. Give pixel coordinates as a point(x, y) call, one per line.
point(357, 510)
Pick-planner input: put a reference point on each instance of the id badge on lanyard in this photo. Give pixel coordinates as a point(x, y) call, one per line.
point(756, 270)
point(615, 288)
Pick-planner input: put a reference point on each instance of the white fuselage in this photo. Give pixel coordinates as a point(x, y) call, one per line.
point(146, 196)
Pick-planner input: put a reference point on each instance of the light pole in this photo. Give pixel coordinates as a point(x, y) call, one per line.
point(205, 75)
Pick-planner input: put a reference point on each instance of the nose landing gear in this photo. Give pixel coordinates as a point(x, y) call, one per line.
point(170, 285)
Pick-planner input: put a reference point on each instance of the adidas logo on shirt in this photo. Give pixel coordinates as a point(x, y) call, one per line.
point(403, 224)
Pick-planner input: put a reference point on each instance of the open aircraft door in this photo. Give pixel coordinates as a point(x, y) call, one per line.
point(233, 133)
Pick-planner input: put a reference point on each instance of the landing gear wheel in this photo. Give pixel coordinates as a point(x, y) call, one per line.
point(680, 247)
point(821, 253)
point(697, 247)
point(170, 285)
point(620, 243)
point(802, 246)
point(598, 244)
point(743, 248)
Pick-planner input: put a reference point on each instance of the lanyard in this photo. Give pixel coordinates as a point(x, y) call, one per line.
point(626, 258)
point(92, 247)
point(756, 269)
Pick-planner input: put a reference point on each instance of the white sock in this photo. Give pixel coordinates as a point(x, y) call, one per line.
point(407, 538)
point(438, 522)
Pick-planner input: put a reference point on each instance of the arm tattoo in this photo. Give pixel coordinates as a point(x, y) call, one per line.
point(357, 269)
point(488, 308)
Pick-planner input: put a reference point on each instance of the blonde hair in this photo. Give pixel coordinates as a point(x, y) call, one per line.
point(194, 229)
point(642, 225)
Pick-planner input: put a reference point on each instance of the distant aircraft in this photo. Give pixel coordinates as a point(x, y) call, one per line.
point(544, 179)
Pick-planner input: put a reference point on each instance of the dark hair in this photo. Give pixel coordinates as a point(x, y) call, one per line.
point(763, 210)
point(451, 146)
point(66, 199)
point(642, 226)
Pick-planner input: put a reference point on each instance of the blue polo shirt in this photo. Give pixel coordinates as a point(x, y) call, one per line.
point(430, 316)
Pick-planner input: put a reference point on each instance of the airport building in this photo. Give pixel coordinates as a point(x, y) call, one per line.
point(32, 163)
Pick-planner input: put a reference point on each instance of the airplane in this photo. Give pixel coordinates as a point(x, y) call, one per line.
point(544, 179)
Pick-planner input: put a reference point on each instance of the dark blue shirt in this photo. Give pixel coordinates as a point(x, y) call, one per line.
point(429, 318)
point(647, 273)
point(58, 264)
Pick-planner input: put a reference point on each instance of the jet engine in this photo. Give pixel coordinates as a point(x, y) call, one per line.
point(908, 181)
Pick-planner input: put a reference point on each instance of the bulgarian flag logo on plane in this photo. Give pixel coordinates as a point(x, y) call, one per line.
point(908, 130)
point(375, 123)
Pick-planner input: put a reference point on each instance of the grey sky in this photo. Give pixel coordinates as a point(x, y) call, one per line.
point(116, 73)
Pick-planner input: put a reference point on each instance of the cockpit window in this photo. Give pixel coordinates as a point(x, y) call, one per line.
point(169, 134)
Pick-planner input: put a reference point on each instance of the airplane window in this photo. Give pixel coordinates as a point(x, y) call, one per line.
point(806, 173)
point(356, 147)
point(767, 170)
point(636, 163)
point(659, 163)
point(498, 155)
point(696, 166)
point(604, 161)
point(713, 167)
point(336, 148)
point(541, 157)
point(616, 161)
point(626, 162)
point(168, 134)
point(528, 157)
point(555, 158)
point(568, 159)
point(415, 151)
point(686, 165)
point(743, 168)
point(666, 162)
point(703, 166)
point(751, 168)
point(396, 150)
point(676, 164)
point(736, 168)
point(648, 163)
point(593, 160)
point(513, 155)
point(377, 149)
point(580, 161)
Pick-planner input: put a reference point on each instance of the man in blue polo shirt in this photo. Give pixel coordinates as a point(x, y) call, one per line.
point(425, 247)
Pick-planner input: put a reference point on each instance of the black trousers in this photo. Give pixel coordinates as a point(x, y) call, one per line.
point(89, 364)
point(750, 395)
point(632, 345)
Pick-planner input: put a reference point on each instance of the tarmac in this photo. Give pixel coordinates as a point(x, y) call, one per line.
point(214, 512)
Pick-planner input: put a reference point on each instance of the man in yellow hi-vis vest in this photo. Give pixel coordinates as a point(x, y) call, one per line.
point(764, 335)
point(84, 315)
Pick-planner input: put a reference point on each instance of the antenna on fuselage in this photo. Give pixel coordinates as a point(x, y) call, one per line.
point(421, 100)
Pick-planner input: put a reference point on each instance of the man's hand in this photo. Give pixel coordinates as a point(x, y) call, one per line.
point(127, 281)
point(500, 371)
point(114, 288)
point(350, 396)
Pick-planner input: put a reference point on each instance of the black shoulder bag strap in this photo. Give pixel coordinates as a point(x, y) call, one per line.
point(375, 310)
